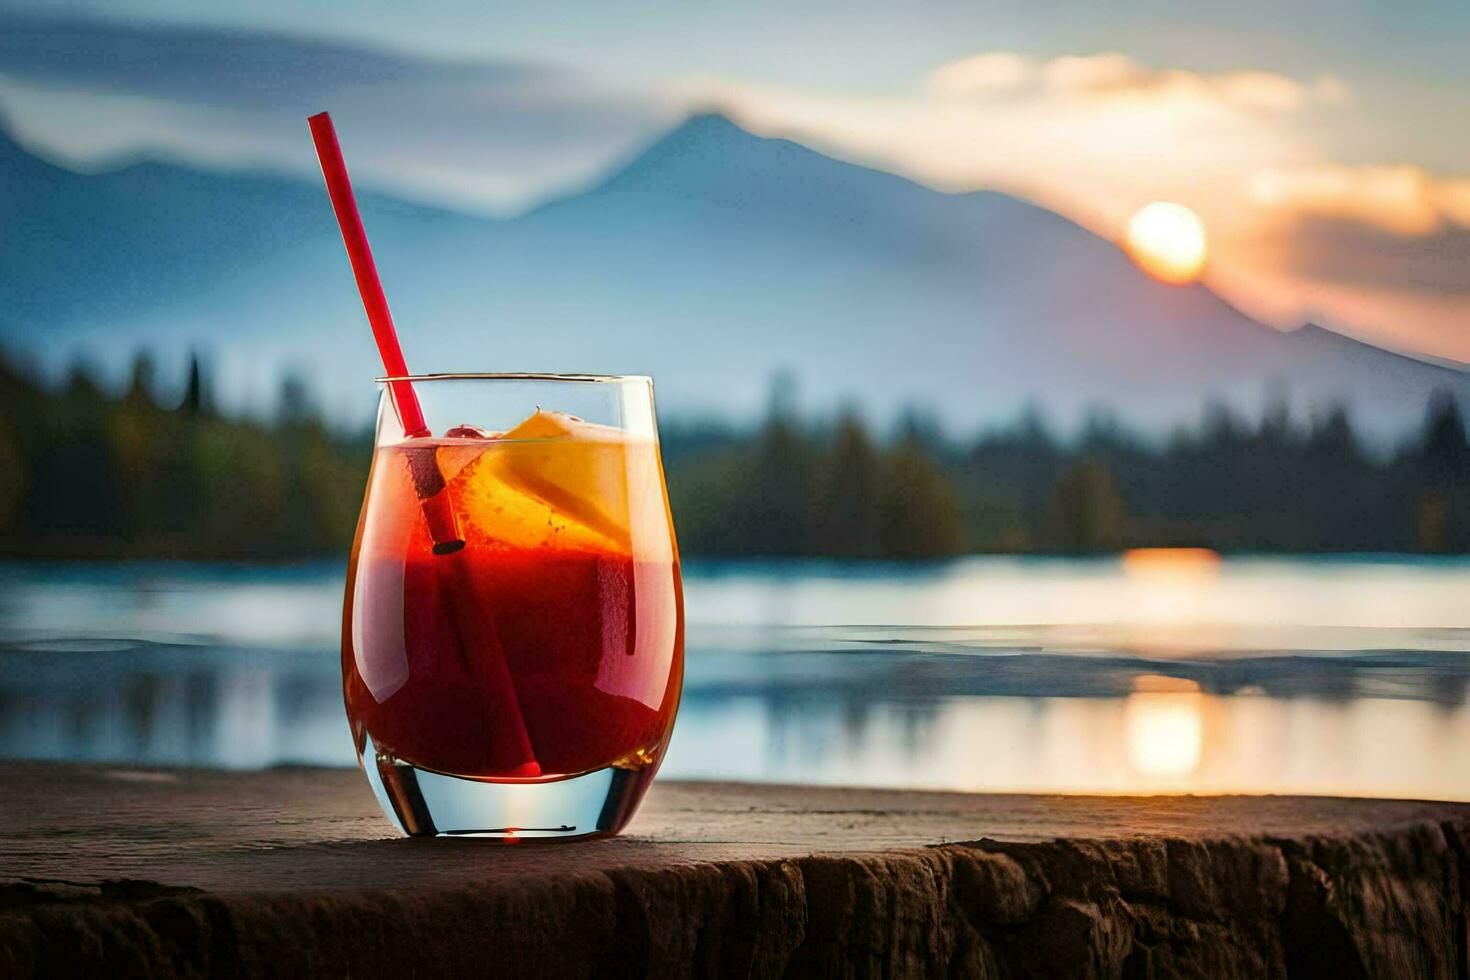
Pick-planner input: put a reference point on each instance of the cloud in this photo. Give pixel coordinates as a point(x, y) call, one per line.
point(1333, 250)
point(1295, 232)
point(221, 68)
point(1096, 73)
point(981, 74)
point(489, 135)
point(1407, 291)
point(1403, 199)
point(1069, 133)
point(1005, 73)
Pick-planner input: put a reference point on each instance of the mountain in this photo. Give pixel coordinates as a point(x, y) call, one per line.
point(712, 260)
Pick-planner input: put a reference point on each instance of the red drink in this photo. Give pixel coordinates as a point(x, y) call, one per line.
point(551, 644)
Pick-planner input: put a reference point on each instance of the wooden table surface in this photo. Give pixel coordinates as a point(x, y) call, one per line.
point(296, 870)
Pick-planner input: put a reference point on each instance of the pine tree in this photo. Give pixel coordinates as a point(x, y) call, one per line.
point(1444, 454)
point(772, 510)
point(919, 508)
point(140, 388)
point(1086, 511)
point(196, 398)
point(847, 520)
point(1441, 521)
point(13, 478)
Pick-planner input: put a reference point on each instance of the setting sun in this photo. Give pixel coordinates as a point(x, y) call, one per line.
point(1168, 241)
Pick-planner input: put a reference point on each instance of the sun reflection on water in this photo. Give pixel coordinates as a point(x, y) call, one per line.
point(1156, 672)
point(1163, 721)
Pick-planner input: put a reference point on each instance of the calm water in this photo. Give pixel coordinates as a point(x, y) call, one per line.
point(1166, 674)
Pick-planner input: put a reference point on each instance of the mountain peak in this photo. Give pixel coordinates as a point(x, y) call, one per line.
point(707, 127)
point(708, 150)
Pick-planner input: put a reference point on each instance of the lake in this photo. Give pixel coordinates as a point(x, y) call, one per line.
point(1171, 672)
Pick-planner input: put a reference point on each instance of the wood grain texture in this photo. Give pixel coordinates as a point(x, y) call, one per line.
point(294, 872)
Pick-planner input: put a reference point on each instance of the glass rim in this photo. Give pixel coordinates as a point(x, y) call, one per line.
point(516, 376)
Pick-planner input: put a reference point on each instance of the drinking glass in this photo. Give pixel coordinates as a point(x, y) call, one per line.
point(513, 629)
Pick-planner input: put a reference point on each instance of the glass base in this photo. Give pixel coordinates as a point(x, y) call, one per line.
point(424, 803)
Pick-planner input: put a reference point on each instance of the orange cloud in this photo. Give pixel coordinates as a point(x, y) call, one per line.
point(1095, 73)
point(1403, 199)
point(994, 71)
point(1115, 74)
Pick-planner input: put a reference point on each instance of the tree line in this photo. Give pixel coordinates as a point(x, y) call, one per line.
point(89, 474)
point(1277, 485)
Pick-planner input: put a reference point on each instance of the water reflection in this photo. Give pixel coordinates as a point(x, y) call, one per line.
point(227, 707)
point(887, 718)
point(1148, 743)
point(1163, 721)
point(1276, 707)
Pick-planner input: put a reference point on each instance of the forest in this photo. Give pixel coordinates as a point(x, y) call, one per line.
point(88, 473)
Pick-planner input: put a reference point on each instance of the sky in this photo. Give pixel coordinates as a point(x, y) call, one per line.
point(1322, 143)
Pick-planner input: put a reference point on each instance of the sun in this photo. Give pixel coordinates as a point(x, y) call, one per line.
point(1168, 241)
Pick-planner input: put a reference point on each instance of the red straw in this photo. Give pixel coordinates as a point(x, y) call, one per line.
point(423, 465)
point(361, 256)
point(438, 511)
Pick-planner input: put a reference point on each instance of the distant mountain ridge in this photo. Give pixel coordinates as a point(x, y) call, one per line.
point(711, 260)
